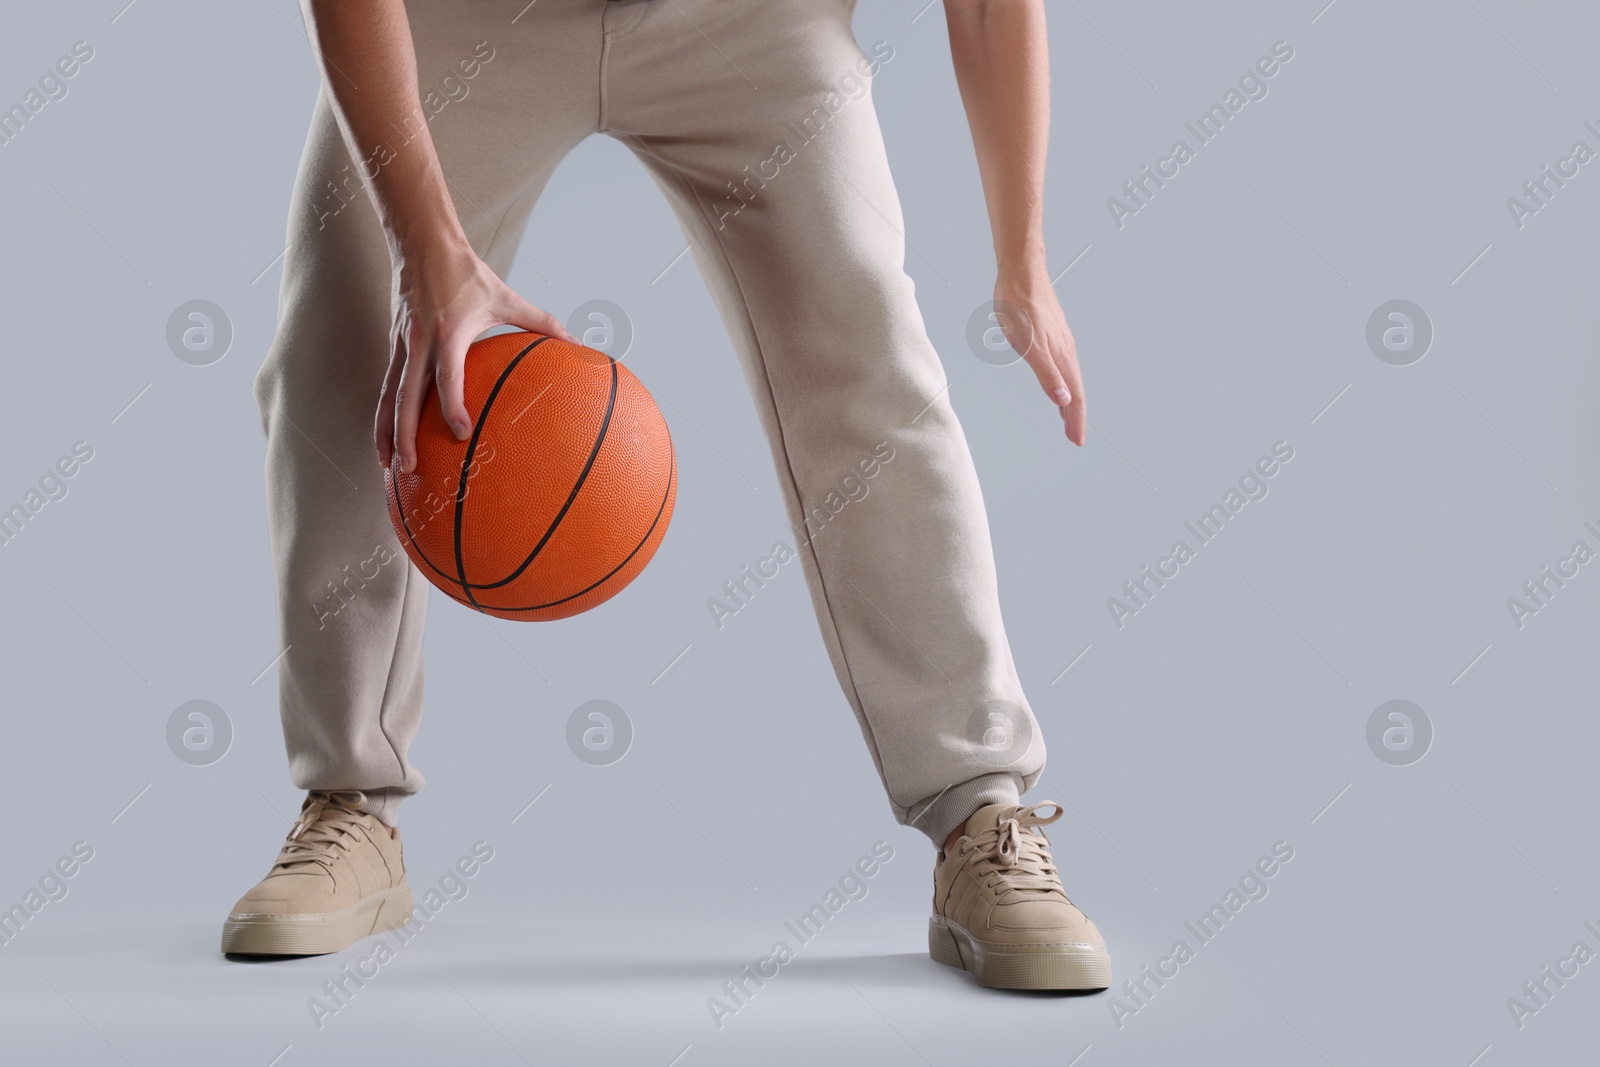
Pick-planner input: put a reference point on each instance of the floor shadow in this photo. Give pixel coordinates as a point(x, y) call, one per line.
point(527, 963)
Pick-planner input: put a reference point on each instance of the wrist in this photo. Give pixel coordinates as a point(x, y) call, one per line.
point(1026, 274)
point(431, 244)
point(422, 224)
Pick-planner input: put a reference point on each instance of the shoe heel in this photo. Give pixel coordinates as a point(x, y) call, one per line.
point(942, 945)
point(394, 911)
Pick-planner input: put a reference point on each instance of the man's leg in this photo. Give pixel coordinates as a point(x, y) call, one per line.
point(770, 153)
point(772, 157)
point(503, 104)
point(515, 100)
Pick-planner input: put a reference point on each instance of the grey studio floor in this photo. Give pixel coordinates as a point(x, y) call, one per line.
point(1437, 872)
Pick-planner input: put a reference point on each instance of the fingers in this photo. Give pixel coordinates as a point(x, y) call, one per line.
point(1030, 342)
point(383, 426)
point(1055, 364)
point(451, 355)
point(1074, 413)
point(422, 357)
point(408, 406)
point(1050, 377)
point(517, 312)
point(448, 371)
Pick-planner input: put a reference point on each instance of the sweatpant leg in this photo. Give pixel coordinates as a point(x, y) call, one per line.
point(765, 140)
point(503, 103)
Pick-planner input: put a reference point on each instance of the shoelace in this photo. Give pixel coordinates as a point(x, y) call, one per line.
point(1015, 853)
point(327, 826)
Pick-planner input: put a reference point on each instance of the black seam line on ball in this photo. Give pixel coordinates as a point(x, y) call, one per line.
point(466, 461)
point(400, 502)
point(583, 476)
point(671, 475)
point(406, 523)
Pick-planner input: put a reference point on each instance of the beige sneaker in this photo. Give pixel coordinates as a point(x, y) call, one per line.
point(999, 910)
point(339, 878)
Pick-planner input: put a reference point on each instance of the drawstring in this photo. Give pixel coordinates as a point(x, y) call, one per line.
point(1016, 853)
point(328, 821)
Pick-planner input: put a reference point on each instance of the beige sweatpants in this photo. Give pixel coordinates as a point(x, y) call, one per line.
point(756, 121)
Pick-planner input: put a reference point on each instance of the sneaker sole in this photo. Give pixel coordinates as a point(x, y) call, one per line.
point(1003, 966)
point(315, 935)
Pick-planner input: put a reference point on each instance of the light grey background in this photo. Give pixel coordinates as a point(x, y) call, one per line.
point(1228, 715)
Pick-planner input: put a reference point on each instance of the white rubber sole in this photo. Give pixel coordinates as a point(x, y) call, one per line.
point(1001, 966)
point(254, 934)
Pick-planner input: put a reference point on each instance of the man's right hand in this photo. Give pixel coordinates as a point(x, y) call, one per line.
point(443, 299)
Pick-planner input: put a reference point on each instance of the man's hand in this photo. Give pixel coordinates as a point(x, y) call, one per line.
point(442, 300)
point(1036, 327)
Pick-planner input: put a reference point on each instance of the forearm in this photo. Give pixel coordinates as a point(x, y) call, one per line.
point(369, 62)
point(1002, 65)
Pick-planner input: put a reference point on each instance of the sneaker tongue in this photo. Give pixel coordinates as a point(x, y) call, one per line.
point(313, 812)
point(987, 818)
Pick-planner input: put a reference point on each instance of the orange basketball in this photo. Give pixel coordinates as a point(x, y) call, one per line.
point(558, 498)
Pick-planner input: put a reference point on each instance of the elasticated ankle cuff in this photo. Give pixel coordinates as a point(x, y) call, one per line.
point(938, 815)
point(384, 803)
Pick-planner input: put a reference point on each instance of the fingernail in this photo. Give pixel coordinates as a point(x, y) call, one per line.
point(1061, 397)
point(461, 429)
